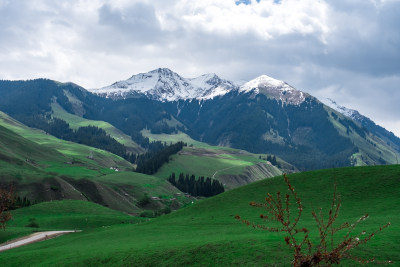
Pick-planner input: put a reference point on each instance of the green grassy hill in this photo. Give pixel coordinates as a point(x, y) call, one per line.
point(45, 168)
point(61, 215)
point(232, 167)
point(206, 233)
point(88, 156)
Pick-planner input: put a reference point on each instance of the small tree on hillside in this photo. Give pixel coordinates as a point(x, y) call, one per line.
point(6, 201)
point(305, 253)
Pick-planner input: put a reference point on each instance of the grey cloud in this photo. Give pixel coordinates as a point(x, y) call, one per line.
point(137, 23)
point(366, 38)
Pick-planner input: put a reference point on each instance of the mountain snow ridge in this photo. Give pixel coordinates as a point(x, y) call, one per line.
point(165, 85)
point(351, 113)
point(274, 88)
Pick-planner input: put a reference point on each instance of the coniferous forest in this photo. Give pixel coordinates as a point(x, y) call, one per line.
point(205, 187)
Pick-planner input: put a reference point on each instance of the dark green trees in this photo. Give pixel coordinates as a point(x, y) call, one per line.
point(150, 162)
point(206, 187)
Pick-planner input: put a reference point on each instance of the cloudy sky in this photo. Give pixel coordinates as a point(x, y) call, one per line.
point(347, 50)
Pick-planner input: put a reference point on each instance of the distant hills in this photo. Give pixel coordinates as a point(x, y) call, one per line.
point(264, 115)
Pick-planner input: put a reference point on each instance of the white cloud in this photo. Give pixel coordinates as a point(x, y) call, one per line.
point(264, 19)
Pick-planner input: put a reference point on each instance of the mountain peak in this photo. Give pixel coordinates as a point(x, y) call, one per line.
point(165, 85)
point(163, 71)
point(274, 88)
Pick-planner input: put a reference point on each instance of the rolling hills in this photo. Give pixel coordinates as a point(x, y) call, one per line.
point(206, 233)
point(45, 168)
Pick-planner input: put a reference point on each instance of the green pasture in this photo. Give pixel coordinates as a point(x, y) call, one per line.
point(206, 233)
point(203, 165)
point(174, 138)
point(62, 215)
point(214, 163)
point(35, 143)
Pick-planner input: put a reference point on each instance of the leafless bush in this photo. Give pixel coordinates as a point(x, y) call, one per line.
point(305, 253)
point(6, 201)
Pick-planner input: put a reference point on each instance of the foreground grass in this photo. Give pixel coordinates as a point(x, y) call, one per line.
point(62, 215)
point(206, 233)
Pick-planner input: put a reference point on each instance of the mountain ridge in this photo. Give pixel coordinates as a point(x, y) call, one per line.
point(264, 117)
point(163, 84)
point(365, 122)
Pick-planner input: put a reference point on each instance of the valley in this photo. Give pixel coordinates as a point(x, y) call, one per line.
point(100, 161)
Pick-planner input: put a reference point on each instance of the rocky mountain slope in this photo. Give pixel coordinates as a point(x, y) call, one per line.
point(367, 123)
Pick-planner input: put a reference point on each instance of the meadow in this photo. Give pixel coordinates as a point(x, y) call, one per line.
point(206, 233)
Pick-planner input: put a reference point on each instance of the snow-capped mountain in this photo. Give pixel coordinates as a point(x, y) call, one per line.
point(274, 88)
point(165, 85)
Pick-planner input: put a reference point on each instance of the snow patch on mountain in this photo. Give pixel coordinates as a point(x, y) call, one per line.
point(274, 88)
point(165, 85)
point(351, 113)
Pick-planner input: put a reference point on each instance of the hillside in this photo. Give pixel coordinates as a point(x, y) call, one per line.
point(230, 166)
point(64, 214)
point(367, 123)
point(45, 168)
point(206, 233)
point(60, 169)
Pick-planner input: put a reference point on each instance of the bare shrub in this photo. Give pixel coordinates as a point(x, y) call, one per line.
point(6, 201)
point(305, 253)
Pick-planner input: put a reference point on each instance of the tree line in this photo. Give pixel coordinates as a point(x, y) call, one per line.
point(205, 187)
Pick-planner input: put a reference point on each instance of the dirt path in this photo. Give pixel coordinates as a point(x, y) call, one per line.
point(36, 237)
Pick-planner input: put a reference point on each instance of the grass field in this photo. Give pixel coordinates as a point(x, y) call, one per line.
point(206, 233)
point(61, 215)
